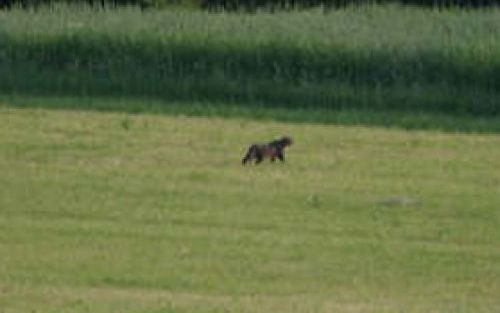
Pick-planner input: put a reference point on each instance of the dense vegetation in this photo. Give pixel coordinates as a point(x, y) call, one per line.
point(382, 58)
point(248, 4)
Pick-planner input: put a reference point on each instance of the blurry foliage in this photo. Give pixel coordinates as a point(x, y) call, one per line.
point(249, 5)
point(98, 3)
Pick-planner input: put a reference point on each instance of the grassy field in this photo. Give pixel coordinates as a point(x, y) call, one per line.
point(116, 212)
point(122, 131)
point(378, 58)
point(347, 117)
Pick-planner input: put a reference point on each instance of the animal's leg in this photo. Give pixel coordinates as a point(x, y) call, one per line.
point(248, 156)
point(259, 159)
point(281, 156)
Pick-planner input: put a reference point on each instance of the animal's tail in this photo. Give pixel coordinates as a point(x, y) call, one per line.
point(249, 154)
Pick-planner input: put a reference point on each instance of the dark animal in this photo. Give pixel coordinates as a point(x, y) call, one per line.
point(272, 150)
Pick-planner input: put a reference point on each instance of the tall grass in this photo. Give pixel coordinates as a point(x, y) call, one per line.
point(388, 58)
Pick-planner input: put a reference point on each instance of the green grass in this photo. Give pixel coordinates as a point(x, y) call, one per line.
point(375, 58)
point(346, 117)
point(119, 212)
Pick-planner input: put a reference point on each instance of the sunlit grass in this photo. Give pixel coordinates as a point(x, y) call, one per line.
point(115, 212)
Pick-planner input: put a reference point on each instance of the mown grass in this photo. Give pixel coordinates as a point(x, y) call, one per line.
point(115, 212)
point(375, 58)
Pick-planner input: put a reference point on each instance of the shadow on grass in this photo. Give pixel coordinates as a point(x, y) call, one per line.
point(414, 104)
point(338, 116)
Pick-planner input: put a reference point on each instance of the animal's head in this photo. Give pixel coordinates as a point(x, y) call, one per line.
point(287, 141)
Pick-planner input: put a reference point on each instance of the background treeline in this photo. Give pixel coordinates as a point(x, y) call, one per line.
point(251, 4)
